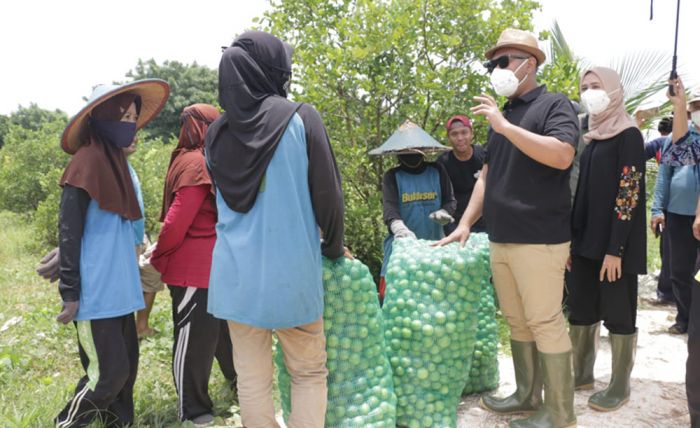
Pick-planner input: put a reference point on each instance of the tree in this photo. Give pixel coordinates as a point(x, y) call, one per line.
point(189, 84)
point(30, 118)
point(369, 65)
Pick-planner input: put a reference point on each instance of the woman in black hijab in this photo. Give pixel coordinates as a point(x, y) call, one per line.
point(277, 184)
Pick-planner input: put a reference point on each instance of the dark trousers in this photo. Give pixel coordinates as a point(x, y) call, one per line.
point(683, 248)
point(198, 337)
point(109, 354)
point(692, 372)
point(664, 287)
point(590, 301)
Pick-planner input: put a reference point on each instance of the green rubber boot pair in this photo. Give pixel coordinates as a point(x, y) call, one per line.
point(534, 369)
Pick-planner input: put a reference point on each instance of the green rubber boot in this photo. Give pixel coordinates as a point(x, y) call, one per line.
point(558, 408)
point(584, 339)
point(617, 394)
point(527, 397)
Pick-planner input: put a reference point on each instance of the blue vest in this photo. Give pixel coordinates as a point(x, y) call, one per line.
point(266, 265)
point(139, 225)
point(110, 285)
point(419, 195)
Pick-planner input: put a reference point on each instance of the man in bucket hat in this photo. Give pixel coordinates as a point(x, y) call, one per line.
point(524, 193)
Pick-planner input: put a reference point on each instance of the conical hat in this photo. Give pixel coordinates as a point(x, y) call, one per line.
point(409, 138)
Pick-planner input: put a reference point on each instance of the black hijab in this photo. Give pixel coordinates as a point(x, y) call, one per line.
point(253, 77)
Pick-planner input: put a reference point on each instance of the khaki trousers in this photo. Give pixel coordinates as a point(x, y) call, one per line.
point(304, 349)
point(529, 283)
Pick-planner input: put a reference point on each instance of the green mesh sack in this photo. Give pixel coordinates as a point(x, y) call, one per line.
point(430, 324)
point(360, 385)
point(483, 375)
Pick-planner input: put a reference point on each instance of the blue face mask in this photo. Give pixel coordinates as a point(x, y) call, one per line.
point(118, 133)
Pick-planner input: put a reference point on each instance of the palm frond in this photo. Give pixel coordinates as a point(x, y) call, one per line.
point(559, 48)
point(642, 73)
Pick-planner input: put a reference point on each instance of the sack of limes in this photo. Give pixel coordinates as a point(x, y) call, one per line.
point(430, 325)
point(360, 385)
point(483, 375)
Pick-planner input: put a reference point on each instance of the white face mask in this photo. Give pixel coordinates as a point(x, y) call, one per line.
point(595, 101)
point(695, 118)
point(504, 81)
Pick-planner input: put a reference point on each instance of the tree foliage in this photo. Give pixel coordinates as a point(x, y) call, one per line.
point(369, 65)
point(189, 84)
point(31, 118)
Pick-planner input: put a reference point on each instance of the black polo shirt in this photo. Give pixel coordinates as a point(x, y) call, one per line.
point(463, 175)
point(527, 202)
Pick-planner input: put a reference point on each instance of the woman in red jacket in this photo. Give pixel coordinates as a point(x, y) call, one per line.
point(183, 257)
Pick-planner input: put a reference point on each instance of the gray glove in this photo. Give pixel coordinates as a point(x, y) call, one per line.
point(441, 217)
point(399, 229)
point(68, 312)
point(49, 264)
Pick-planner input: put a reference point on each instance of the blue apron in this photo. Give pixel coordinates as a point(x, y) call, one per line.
point(419, 195)
point(266, 264)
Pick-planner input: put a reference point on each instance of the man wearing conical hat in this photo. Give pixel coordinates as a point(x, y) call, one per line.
point(523, 192)
point(417, 195)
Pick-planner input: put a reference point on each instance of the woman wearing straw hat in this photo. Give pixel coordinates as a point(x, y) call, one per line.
point(99, 274)
point(417, 195)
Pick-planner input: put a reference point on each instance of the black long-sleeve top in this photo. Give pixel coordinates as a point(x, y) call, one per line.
point(390, 190)
point(73, 211)
point(324, 183)
point(609, 214)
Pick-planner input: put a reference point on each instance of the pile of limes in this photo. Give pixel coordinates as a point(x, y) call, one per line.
point(430, 325)
point(360, 386)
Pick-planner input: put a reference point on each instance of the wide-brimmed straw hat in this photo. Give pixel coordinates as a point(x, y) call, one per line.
point(153, 92)
point(409, 138)
point(518, 39)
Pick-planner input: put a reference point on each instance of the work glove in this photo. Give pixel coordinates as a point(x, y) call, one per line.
point(68, 312)
point(441, 217)
point(48, 265)
point(399, 229)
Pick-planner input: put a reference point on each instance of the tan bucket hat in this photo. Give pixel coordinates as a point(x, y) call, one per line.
point(518, 39)
point(153, 92)
point(694, 96)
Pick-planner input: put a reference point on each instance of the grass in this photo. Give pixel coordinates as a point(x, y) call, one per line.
point(39, 364)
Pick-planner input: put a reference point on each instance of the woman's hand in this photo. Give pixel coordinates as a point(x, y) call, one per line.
point(656, 221)
point(68, 312)
point(347, 254)
point(612, 268)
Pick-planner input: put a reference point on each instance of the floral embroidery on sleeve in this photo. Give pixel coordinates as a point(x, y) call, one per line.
point(628, 194)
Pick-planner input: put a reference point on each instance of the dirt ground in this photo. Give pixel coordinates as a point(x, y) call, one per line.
point(658, 391)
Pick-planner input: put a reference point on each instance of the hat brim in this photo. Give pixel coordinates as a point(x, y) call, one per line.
point(154, 94)
point(425, 150)
point(536, 52)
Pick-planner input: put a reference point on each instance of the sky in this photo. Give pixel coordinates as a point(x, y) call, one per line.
point(54, 52)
